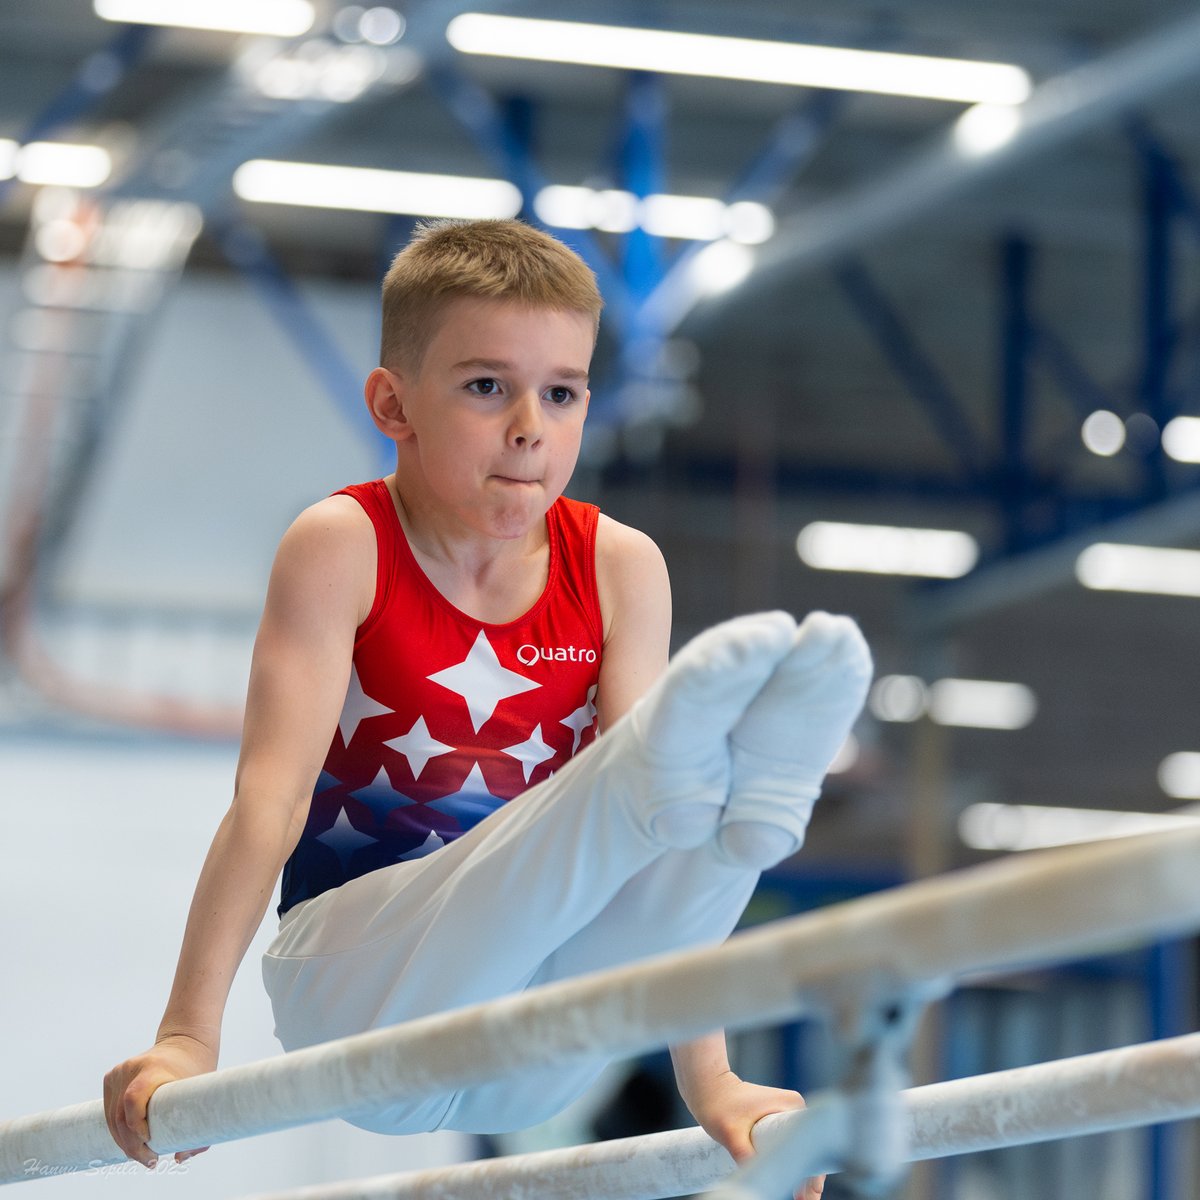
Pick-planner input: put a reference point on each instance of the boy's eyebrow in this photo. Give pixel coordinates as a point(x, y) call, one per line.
point(494, 364)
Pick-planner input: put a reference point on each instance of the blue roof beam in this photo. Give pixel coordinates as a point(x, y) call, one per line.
point(919, 373)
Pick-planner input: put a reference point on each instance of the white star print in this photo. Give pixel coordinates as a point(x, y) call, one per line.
point(343, 839)
point(358, 707)
point(380, 797)
point(482, 682)
point(428, 846)
point(581, 718)
point(418, 745)
point(531, 753)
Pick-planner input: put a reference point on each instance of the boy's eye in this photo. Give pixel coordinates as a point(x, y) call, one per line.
point(560, 395)
point(484, 387)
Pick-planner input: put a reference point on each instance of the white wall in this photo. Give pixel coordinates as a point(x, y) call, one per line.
point(102, 844)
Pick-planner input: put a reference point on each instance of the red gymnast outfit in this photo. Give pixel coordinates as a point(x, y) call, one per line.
point(448, 717)
point(401, 901)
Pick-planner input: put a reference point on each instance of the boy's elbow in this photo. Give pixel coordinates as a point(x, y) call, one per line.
point(268, 802)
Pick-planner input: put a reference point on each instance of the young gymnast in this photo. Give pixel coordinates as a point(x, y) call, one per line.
point(438, 643)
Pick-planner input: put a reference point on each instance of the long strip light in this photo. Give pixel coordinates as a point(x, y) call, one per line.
point(756, 61)
point(275, 18)
point(59, 164)
point(968, 703)
point(1106, 566)
point(981, 704)
point(987, 826)
point(364, 189)
point(316, 185)
point(699, 218)
point(887, 549)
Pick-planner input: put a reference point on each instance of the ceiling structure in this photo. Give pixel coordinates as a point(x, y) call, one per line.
point(931, 366)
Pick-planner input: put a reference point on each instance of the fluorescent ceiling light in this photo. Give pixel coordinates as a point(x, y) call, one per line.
point(1108, 567)
point(276, 18)
point(969, 703)
point(901, 698)
point(698, 218)
point(986, 127)
point(739, 58)
point(1032, 826)
point(8, 157)
point(365, 190)
point(61, 164)
point(1179, 775)
point(719, 267)
point(981, 704)
point(338, 73)
point(60, 241)
point(381, 26)
point(887, 549)
point(1181, 439)
point(609, 210)
point(1103, 433)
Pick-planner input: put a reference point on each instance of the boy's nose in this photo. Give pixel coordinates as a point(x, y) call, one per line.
point(525, 429)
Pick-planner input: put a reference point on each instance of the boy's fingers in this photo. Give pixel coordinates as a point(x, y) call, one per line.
point(134, 1103)
point(128, 1121)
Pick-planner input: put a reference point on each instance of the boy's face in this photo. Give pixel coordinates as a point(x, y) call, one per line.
point(495, 414)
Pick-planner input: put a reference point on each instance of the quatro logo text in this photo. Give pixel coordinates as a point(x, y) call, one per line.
point(528, 655)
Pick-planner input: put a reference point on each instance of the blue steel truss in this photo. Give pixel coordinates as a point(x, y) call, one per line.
point(1030, 494)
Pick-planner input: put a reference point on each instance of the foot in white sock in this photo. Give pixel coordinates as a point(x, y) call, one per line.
point(783, 745)
point(680, 728)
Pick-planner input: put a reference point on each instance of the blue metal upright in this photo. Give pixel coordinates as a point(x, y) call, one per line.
point(642, 173)
point(501, 140)
point(1159, 334)
point(1169, 992)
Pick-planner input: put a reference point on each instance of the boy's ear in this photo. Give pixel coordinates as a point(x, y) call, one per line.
point(384, 393)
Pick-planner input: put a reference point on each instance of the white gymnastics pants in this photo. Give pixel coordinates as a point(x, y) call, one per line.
point(558, 882)
point(647, 841)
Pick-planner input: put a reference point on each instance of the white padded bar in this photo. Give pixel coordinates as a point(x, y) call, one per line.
point(1095, 1093)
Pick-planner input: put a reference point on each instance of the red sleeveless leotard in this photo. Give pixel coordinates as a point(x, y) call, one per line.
point(447, 717)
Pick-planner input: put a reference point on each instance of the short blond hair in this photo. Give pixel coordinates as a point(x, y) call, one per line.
point(494, 260)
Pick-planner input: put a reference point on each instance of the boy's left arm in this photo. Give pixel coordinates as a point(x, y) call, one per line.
point(635, 600)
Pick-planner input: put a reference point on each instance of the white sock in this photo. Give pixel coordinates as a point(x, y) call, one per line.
point(676, 736)
point(755, 845)
point(783, 745)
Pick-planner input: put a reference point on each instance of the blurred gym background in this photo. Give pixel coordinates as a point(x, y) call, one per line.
point(902, 322)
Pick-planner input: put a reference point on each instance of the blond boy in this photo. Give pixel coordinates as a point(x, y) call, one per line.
point(434, 644)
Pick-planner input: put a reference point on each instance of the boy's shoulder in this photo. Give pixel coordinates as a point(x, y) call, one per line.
point(331, 519)
point(330, 544)
point(618, 543)
point(322, 580)
point(630, 568)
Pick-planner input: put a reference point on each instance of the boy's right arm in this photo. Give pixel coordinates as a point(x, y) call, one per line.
point(321, 589)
